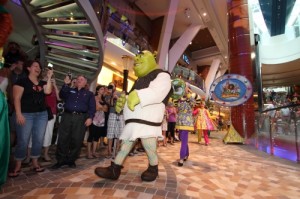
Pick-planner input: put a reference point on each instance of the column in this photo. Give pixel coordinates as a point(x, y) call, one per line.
point(165, 37)
point(211, 76)
point(240, 62)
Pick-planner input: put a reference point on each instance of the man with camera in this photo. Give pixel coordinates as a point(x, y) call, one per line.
point(115, 123)
point(79, 110)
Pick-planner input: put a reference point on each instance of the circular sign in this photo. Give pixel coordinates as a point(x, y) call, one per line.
point(231, 90)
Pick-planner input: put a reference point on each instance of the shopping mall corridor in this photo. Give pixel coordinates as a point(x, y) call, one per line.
point(211, 172)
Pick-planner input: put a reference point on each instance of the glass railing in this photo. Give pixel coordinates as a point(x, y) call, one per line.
point(188, 75)
point(277, 132)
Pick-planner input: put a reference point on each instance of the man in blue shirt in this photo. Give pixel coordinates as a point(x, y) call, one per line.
point(79, 110)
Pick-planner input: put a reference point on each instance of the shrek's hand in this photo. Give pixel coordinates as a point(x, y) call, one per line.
point(132, 100)
point(120, 103)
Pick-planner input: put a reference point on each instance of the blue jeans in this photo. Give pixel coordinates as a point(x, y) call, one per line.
point(35, 126)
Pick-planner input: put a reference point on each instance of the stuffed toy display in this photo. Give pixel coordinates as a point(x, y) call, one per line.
point(143, 111)
point(6, 28)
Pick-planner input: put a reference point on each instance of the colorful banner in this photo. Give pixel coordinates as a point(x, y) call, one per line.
point(231, 90)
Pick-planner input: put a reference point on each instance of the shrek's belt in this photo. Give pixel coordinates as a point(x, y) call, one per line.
point(143, 122)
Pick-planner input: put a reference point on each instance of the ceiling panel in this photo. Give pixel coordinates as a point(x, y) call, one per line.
point(202, 41)
point(285, 74)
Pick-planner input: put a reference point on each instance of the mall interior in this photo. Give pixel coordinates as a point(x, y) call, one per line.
point(250, 44)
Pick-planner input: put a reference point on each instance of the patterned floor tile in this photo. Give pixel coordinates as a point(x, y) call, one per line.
point(217, 171)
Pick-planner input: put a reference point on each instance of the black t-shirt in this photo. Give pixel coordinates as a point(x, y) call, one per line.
point(33, 98)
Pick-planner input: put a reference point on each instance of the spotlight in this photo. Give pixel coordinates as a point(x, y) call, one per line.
point(187, 13)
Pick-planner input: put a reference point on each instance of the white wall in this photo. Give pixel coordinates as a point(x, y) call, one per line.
point(279, 49)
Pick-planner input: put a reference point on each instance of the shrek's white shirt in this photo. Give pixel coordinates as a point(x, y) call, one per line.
point(151, 108)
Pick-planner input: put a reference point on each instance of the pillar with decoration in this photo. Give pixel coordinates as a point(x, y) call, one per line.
point(240, 62)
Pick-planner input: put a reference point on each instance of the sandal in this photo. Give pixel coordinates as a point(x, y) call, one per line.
point(47, 159)
point(38, 169)
point(89, 157)
point(95, 156)
point(14, 174)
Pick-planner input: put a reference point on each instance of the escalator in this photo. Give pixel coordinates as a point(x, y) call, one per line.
point(69, 35)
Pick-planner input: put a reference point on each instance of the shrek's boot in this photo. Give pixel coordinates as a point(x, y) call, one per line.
point(112, 172)
point(150, 174)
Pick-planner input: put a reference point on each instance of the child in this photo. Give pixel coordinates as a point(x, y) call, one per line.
point(204, 122)
point(164, 128)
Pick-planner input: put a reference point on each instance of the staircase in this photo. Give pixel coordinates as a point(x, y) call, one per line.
point(69, 35)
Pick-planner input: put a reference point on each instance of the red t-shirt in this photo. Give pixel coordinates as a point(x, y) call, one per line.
point(51, 101)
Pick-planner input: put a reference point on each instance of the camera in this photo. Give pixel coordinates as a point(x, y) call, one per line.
point(50, 66)
point(69, 75)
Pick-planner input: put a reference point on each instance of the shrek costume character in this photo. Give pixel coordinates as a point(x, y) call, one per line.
point(143, 112)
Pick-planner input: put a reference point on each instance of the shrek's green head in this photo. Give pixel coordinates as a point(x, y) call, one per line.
point(144, 63)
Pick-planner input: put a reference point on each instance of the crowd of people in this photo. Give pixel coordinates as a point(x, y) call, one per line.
point(281, 110)
point(32, 91)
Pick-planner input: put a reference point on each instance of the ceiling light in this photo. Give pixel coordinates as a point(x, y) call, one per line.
point(204, 14)
point(190, 43)
point(187, 13)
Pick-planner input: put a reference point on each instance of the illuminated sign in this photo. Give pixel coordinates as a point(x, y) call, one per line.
point(185, 59)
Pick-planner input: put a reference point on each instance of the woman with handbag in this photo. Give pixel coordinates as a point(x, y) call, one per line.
point(97, 129)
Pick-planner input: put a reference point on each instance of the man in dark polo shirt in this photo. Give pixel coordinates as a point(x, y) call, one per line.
point(79, 110)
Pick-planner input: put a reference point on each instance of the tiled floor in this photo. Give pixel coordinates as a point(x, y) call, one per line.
point(211, 172)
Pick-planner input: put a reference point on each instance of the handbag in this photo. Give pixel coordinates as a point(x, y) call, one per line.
point(99, 119)
point(50, 114)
